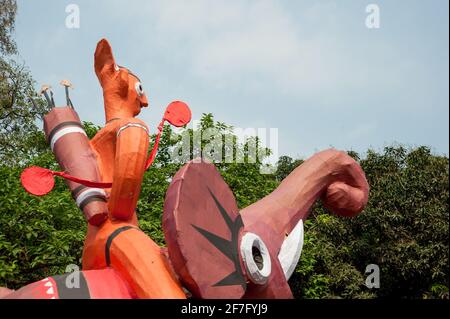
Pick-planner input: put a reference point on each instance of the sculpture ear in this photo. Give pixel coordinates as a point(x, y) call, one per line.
point(103, 59)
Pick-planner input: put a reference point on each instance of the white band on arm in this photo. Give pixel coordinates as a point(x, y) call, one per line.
point(131, 125)
point(64, 131)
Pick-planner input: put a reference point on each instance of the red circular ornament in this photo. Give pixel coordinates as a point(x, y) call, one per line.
point(178, 114)
point(37, 180)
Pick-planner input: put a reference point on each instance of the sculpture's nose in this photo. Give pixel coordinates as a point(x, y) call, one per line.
point(144, 101)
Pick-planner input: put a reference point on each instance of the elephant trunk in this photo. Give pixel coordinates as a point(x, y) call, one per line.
point(331, 175)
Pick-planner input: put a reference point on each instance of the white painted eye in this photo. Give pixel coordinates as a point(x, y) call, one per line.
point(139, 89)
point(256, 258)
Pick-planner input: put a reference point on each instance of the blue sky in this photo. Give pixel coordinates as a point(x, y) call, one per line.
point(311, 68)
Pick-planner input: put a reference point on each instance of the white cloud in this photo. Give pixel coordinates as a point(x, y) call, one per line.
point(225, 41)
point(361, 131)
point(261, 45)
point(310, 67)
point(233, 41)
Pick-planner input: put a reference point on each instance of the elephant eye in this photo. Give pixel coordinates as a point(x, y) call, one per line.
point(256, 258)
point(139, 89)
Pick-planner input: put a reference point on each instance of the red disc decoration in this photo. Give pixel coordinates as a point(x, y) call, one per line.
point(178, 114)
point(37, 180)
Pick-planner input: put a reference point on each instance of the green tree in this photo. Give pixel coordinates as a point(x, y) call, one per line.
point(39, 236)
point(244, 179)
point(404, 230)
point(285, 166)
point(18, 112)
point(8, 9)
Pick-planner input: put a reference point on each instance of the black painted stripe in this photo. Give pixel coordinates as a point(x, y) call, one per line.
point(92, 198)
point(60, 126)
point(77, 191)
point(111, 237)
point(75, 287)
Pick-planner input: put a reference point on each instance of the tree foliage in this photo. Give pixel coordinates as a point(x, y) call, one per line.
point(8, 9)
point(404, 229)
point(38, 235)
point(285, 166)
point(19, 109)
point(19, 105)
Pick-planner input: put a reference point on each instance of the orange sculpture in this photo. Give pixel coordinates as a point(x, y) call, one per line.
point(213, 250)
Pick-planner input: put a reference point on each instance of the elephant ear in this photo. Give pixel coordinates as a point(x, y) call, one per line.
point(201, 225)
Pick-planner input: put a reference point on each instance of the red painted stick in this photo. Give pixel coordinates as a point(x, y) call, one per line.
point(39, 181)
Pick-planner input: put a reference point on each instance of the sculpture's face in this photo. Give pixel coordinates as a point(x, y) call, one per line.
point(135, 97)
point(122, 90)
point(239, 256)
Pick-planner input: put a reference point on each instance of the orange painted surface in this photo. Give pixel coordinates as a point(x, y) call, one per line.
point(121, 148)
point(121, 157)
point(136, 257)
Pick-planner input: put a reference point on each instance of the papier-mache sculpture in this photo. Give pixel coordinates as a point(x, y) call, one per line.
point(213, 249)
